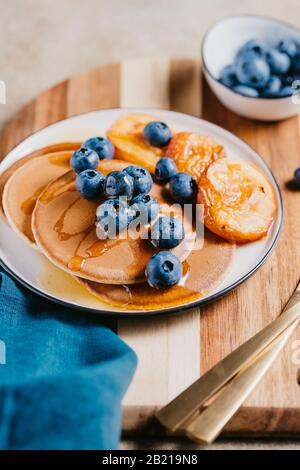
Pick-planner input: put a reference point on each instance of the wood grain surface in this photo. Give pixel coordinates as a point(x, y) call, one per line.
point(173, 351)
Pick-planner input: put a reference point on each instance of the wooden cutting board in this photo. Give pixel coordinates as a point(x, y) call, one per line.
point(173, 351)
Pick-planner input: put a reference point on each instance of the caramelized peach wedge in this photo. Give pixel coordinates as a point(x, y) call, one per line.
point(193, 152)
point(127, 137)
point(239, 202)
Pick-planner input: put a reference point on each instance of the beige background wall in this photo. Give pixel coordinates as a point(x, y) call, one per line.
point(45, 41)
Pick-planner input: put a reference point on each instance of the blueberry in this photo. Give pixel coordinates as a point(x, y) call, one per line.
point(142, 180)
point(146, 206)
point(272, 87)
point(163, 270)
point(246, 91)
point(288, 46)
point(113, 216)
point(118, 183)
point(279, 62)
point(253, 46)
point(183, 187)
point(286, 91)
point(296, 63)
point(90, 184)
point(84, 159)
point(287, 80)
point(102, 146)
point(252, 70)
point(157, 133)
point(228, 76)
point(167, 232)
point(297, 176)
point(165, 169)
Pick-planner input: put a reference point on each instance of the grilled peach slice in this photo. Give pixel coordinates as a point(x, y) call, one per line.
point(106, 166)
point(239, 202)
point(131, 124)
point(193, 152)
point(127, 136)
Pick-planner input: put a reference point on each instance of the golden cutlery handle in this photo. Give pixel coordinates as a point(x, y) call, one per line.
point(208, 425)
point(177, 412)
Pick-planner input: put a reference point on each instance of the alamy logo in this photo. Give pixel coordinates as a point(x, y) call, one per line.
point(2, 92)
point(2, 353)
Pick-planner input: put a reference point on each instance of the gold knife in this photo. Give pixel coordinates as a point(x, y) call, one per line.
point(209, 424)
point(184, 407)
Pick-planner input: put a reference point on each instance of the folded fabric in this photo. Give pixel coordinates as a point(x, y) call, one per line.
point(62, 375)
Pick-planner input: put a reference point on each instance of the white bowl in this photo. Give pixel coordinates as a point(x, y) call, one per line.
point(219, 48)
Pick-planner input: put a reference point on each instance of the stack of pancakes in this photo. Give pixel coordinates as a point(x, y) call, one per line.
point(40, 202)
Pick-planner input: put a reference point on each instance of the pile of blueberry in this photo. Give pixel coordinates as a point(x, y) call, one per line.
point(127, 198)
point(262, 71)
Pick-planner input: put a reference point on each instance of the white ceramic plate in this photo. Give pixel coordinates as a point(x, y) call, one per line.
point(32, 269)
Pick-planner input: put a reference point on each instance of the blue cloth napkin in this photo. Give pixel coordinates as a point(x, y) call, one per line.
point(62, 375)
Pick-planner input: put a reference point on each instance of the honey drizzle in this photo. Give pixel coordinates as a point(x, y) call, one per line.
point(96, 250)
point(133, 294)
point(48, 196)
point(60, 160)
point(142, 296)
point(59, 225)
point(77, 262)
point(27, 206)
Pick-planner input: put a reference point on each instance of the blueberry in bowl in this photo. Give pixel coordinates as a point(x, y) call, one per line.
point(288, 46)
point(252, 70)
point(296, 63)
point(228, 76)
point(279, 62)
point(260, 72)
point(255, 46)
point(272, 87)
point(285, 91)
point(246, 91)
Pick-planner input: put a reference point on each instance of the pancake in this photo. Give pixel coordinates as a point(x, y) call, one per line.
point(64, 229)
point(25, 185)
point(203, 271)
point(4, 177)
